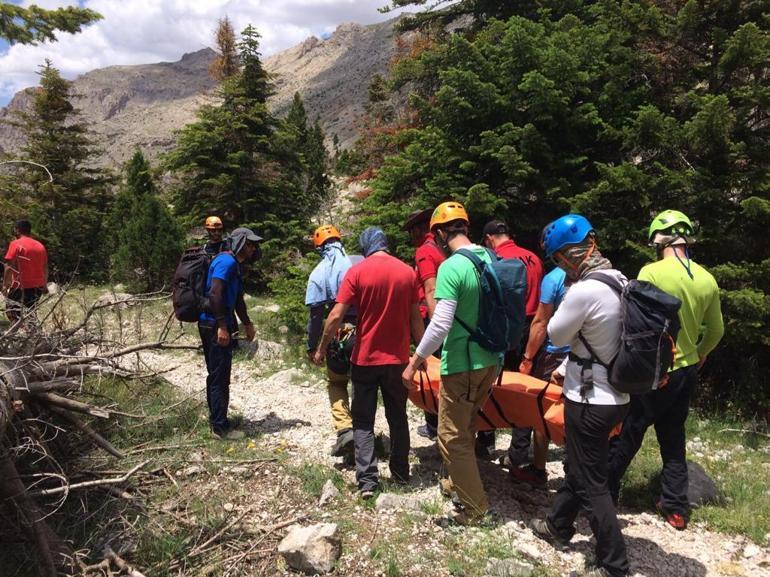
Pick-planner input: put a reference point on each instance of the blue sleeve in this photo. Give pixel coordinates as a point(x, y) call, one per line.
point(548, 291)
point(223, 268)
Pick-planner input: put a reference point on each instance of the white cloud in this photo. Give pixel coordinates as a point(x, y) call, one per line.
point(145, 31)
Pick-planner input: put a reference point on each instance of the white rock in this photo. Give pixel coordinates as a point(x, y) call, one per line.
point(328, 493)
point(313, 549)
point(190, 471)
point(507, 568)
point(392, 501)
point(283, 329)
point(228, 507)
point(750, 551)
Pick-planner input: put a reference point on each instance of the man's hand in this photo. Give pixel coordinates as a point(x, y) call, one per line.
point(223, 336)
point(701, 362)
point(251, 332)
point(407, 377)
point(525, 366)
point(319, 357)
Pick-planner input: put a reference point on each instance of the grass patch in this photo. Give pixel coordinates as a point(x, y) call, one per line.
point(314, 477)
point(737, 462)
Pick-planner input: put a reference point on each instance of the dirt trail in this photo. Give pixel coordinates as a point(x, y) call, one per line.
point(290, 409)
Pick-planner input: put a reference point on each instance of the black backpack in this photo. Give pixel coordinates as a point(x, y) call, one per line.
point(650, 325)
point(189, 285)
point(503, 285)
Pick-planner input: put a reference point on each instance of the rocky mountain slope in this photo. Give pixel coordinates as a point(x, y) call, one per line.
point(142, 105)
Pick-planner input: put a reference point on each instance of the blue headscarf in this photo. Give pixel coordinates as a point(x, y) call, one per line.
point(325, 280)
point(372, 240)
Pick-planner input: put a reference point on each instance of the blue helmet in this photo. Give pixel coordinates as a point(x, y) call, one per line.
point(569, 229)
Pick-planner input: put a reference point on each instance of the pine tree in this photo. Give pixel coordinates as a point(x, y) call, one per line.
point(68, 212)
point(19, 25)
point(149, 240)
point(225, 65)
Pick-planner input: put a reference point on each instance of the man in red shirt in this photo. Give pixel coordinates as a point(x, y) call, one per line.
point(427, 257)
point(498, 238)
point(384, 291)
point(26, 271)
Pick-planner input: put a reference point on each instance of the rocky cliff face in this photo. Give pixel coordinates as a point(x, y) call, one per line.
point(130, 106)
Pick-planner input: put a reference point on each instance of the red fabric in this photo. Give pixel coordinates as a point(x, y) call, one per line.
point(27, 259)
point(428, 257)
point(534, 266)
point(383, 290)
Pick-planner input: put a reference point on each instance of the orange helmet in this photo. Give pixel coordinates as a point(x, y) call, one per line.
point(213, 222)
point(447, 212)
point(324, 233)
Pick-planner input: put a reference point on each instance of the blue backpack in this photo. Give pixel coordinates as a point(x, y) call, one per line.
point(503, 285)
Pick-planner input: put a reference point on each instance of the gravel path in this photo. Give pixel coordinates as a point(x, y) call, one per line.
point(290, 409)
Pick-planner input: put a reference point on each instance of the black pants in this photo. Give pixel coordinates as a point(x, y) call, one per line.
point(20, 299)
point(587, 429)
point(666, 409)
point(367, 381)
point(219, 362)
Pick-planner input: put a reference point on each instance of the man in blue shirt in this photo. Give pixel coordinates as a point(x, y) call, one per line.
point(224, 291)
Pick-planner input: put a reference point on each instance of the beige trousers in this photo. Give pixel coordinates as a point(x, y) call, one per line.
point(461, 396)
point(339, 400)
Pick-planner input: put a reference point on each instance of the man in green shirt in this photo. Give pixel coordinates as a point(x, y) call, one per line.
point(467, 370)
point(666, 408)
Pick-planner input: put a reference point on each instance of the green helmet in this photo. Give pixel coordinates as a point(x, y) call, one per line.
point(671, 222)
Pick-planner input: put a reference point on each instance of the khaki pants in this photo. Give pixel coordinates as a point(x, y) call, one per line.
point(461, 396)
point(339, 400)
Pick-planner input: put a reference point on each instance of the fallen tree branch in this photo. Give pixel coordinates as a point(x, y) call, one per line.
point(88, 484)
point(95, 437)
point(745, 432)
point(120, 563)
point(72, 405)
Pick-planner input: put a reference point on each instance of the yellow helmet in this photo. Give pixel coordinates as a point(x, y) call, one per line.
point(324, 233)
point(447, 212)
point(213, 223)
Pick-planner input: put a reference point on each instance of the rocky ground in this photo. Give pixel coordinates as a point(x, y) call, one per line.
point(287, 408)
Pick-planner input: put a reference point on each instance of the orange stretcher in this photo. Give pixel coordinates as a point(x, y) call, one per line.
point(516, 400)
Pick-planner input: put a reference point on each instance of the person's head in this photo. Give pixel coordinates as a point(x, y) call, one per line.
point(569, 241)
point(448, 222)
point(670, 228)
point(495, 232)
point(325, 234)
point(244, 244)
point(214, 228)
point(417, 225)
point(372, 240)
point(22, 227)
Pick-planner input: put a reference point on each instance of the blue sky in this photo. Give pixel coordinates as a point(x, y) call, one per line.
point(145, 31)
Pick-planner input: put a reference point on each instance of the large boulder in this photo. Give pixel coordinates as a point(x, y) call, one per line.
point(701, 490)
point(312, 550)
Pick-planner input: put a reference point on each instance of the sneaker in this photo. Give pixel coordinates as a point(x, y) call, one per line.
point(366, 494)
point(427, 432)
point(231, 435)
point(535, 478)
point(344, 443)
point(484, 452)
point(540, 529)
point(507, 463)
point(677, 521)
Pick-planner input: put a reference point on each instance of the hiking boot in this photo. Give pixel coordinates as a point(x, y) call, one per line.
point(677, 521)
point(507, 463)
point(541, 529)
point(535, 478)
point(231, 435)
point(367, 494)
point(344, 444)
point(427, 432)
point(485, 452)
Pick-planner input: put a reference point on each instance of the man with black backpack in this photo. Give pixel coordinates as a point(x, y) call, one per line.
point(216, 242)
point(590, 321)
point(476, 329)
point(217, 324)
point(666, 408)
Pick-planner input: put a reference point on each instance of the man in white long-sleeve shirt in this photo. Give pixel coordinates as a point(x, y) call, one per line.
point(589, 321)
point(467, 370)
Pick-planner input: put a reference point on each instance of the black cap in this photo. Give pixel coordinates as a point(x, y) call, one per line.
point(495, 227)
point(417, 217)
point(240, 236)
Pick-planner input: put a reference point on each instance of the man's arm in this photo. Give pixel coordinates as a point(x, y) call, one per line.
point(416, 324)
point(333, 322)
point(715, 327)
point(7, 278)
point(537, 333)
point(243, 314)
point(568, 319)
point(429, 286)
point(315, 326)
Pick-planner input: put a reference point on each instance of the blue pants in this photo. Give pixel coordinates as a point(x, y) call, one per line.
point(219, 362)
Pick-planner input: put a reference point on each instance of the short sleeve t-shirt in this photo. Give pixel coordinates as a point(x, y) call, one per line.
point(383, 290)
point(458, 281)
point(225, 268)
point(534, 267)
point(552, 290)
point(700, 315)
point(428, 257)
point(27, 259)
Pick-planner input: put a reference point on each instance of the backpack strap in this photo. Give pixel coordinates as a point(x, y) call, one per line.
point(479, 266)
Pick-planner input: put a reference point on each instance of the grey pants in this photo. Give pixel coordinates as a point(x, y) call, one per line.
point(367, 381)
